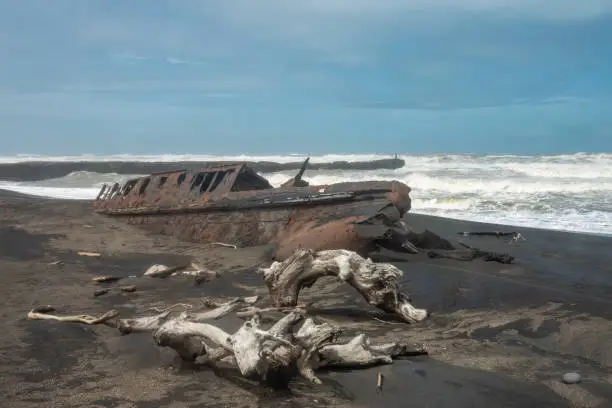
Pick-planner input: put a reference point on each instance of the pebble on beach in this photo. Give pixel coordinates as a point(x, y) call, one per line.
point(101, 292)
point(571, 378)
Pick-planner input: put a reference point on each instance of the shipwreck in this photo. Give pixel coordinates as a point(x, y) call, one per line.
point(234, 204)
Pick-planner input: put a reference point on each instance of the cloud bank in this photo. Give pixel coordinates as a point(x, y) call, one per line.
point(277, 66)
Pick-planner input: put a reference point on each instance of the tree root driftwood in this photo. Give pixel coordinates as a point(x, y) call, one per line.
point(376, 282)
point(273, 355)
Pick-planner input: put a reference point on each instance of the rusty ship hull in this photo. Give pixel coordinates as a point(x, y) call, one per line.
point(234, 205)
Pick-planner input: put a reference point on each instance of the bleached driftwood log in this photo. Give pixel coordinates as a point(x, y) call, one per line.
point(221, 309)
point(279, 351)
point(151, 323)
point(376, 282)
point(43, 313)
point(274, 354)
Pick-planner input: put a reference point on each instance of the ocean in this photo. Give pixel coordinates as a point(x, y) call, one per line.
point(563, 192)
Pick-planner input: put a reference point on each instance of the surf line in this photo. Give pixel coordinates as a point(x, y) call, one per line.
point(518, 282)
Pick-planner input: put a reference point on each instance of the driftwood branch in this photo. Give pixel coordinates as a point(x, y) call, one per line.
point(293, 344)
point(220, 309)
point(376, 282)
point(224, 245)
point(163, 271)
point(200, 273)
point(277, 353)
point(43, 313)
point(142, 324)
point(469, 253)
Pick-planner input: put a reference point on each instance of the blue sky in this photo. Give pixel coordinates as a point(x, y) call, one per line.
point(279, 76)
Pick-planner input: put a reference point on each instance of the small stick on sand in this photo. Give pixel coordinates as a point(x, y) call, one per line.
point(103, 279)
point(92, 254)
point(384, 321)
point(379, 383)
point(41, 313)
point(224, 245)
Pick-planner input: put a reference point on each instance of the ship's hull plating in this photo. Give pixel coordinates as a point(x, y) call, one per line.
point(316, 227)
point(316, 217)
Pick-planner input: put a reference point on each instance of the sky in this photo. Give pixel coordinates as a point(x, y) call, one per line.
point(317, 76)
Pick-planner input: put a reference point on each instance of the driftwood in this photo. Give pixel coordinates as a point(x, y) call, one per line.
point(516, 236)
point(379, 382)
point(469, 253)
point(42, 313)
point(150, 323)
point(278, 352)
point(275, 354)
point(163, 271)
point(105, 279)
point(223, 244)
point(292, 345)
point(191, 269)
point(90, 254)
point(401, 238)
point(488, 233)
point(376, 282)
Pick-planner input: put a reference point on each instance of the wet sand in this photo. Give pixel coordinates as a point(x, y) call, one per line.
point(499, 335)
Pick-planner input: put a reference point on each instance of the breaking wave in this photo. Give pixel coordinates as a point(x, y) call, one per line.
point(565, 192)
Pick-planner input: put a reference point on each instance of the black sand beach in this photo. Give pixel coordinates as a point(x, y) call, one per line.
point(499, 335)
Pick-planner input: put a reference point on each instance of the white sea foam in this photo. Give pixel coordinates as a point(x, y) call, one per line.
point(567, 192)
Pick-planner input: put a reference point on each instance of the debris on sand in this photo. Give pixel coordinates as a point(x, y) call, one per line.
point(101, 292)
point(277, 353)
point(379, 383)
point(516, 236)
point(128, 288)
point(572, 378)
point(293, 344)
point(163, 271)
point(378, 283)
point(224, 245)
point(43, 314)
point(90, 254)
point(105, 279)
point(200, 273)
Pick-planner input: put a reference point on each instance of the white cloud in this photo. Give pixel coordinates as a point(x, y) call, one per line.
point(346, 30)
point(128, 57)
point(280, 10)
point(179, 61)
point(218, 85)
point(176, 61)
